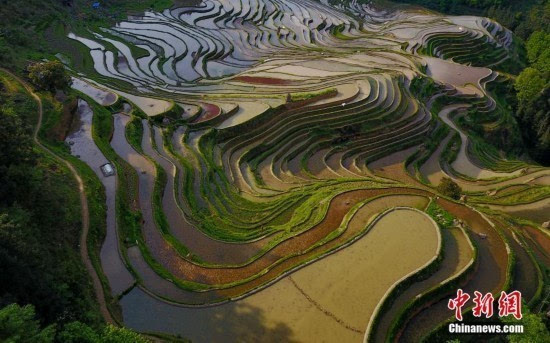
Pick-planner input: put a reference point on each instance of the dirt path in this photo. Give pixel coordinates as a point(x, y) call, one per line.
point(98, 288)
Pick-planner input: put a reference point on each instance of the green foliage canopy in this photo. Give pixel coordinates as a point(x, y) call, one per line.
point(49, 75)
point(449, 188)
point(538, 51)
point(533, 94)
point(529, 84)
point(18, 325)
point(534, 329)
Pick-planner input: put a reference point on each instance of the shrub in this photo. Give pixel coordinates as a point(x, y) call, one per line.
point(449, 188)
point(49, 75)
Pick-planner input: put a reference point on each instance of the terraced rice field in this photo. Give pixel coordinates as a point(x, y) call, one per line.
point(310, 301)
point(264, 150)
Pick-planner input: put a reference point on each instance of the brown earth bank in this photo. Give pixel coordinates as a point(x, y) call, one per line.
point(66, 123)
point(200, 244)
point(338, 208)
point(355, 229)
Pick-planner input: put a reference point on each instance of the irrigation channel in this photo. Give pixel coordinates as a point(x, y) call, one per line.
point(276, 165)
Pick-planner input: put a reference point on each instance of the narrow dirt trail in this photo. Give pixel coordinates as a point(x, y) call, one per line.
point(98, 288)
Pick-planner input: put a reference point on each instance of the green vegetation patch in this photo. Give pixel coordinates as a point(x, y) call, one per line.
point(311, 95)
point(441, 216)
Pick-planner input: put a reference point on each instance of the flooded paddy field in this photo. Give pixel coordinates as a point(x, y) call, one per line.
point(304, 301)
point(274, 144)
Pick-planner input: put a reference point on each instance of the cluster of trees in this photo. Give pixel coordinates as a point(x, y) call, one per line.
point(38, 206)
point(533, 95)
point(50, 75)
point(35, 29)
point(21, 26)
point(531, 103)
point(522, 17)
point(449, 188)
point(18, 324)
point(40, 218)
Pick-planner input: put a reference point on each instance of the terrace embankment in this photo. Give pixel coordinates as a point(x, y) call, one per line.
point(183, 269)
point(489, 276)
point(525, 276)
point(262, 80)
point(458, 254)
point(541, 242)
point(99, 95)
point(463, 164)
point(538, 211)
point(285, 312)
point(200, 244)
point(355, 228)
point(82, 145)
point(431, 169)
point(393, 166)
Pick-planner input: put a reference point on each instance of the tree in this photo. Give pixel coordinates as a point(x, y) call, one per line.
point(113, 334)
point(534, 119)
point(49, 75)
point(533, 91)
point(16, 156)
point(538, 19)
point(534, 329)
point(15, 140)
point(538, 51)
point(449, 188)
point(77, 332)
point(18, 325)
point(529, 85)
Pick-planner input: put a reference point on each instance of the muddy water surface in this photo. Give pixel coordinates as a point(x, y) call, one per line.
point(84, 146)
point(208, 249)
point(286, 312)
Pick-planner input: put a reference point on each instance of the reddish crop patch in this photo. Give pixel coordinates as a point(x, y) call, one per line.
point(338, 208)
point(209, 111)
point(262, 80)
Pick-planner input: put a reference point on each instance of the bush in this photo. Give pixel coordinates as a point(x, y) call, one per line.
point(18, 324)
point(449, 188)
point(49, 75)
